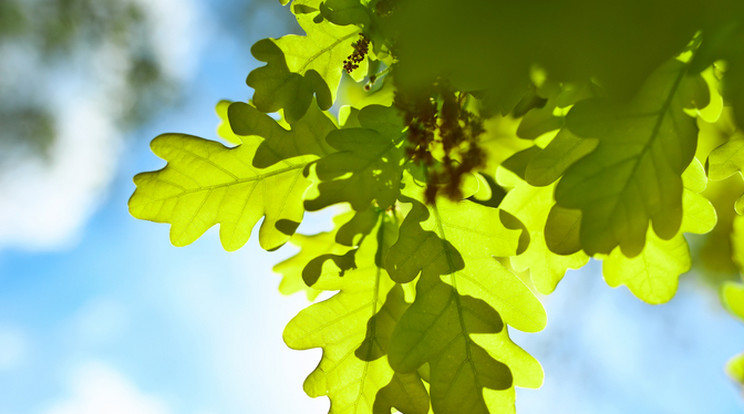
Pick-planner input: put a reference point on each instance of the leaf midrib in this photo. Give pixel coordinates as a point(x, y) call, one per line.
point(237, 181)
point(325, 50)
point(653, 137)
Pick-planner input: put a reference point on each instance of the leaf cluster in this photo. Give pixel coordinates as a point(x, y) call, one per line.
point(478, 152)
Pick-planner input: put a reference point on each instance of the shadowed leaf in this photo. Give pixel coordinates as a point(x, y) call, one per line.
point(635, 171)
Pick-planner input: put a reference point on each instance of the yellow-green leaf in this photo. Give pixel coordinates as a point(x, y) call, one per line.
point(653, 275)
point(531, 205)
point(339, 326)
point(735, 368)
point(206, 183)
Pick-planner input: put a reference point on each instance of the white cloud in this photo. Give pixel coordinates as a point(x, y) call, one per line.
point(175, 38)
point(96, 388)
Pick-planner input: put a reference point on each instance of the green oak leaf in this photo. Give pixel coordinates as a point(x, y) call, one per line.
point(653, 275)
point(406, 392)
point(436, 330)
point(361, 224)
point(549, 114)
point(340, 325)
point(727, 160)
point(479, 235)
point(526, 370)
point(456, 294)
point(311, 247)
point(277, 88)
point(531, 205)
point(224, 130)
point(564, 150)
point(633, 177)
point(300, 66)
point(367, 165)
point(417, 250)
point(306, 136)
point(344, 12)
point(206, 183)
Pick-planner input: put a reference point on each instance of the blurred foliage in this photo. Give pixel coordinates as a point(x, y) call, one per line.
point(43, 37)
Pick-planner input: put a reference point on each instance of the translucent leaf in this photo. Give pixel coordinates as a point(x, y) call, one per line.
point(276, 87)
point(563, 151)
point(311, 247)
point(417, 250)
point(633, 177)
point(224, 130)
point(727, 160)
point(653, 275)
point(531, 205)
point(339, 325)
point(405, 392)
point(464, 225)
point(206, 183)
point(435, 330)
point(479, 235)
point(733, 297)
point(307, 136)
point(526, 370)
point(300, 66)
point(368, 164)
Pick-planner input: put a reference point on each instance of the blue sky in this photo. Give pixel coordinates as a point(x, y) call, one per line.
point(113, 317)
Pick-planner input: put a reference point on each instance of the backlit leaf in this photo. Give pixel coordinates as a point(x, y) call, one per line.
point(727, 160)
point(368, 164)
point(653, 275)
point(531, 205)
point(436, 328)
point(206, 183)
point(635, 172)
point(339, 326)
point(276, 87)
point(311, 247)
point(300, 66)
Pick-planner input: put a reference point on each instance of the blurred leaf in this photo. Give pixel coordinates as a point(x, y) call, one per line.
point(735, 368)
point(532, 205)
